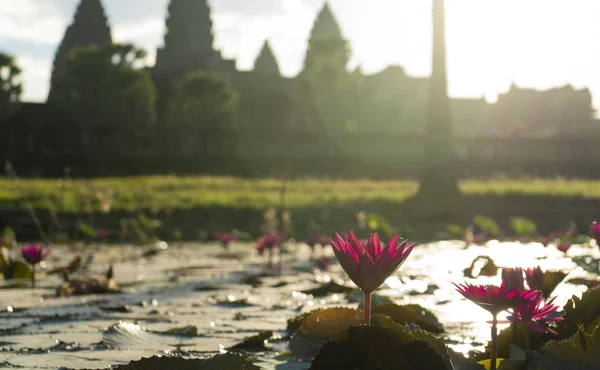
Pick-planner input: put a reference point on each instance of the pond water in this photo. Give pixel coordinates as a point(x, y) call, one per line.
point(198, 285)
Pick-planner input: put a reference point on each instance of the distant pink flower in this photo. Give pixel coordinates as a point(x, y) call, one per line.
point(595, 232)
point(103, 233)
point(323, 263)
point(314, 239)
point(224, 238)
point(544, 241)
point(369, 265)
point(563, 247)
point(489, 297)
point(35, 253)
point(268, 242)
point(532, 312)
point(480, 238)
point(512, 278)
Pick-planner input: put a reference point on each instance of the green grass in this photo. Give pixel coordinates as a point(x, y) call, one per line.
point(167, 192)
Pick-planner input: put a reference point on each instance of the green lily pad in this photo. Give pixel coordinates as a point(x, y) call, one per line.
point(376, 347)
point(327, 289)
point(254, 343)
point(294, 323)
point(185, 331)
point(516, 361)
point(413, 314)
point(580, 311)
point(226, 361)
point(17, 270)
point(319, 326)
point(581, 352)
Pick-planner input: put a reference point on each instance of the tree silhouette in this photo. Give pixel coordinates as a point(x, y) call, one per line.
point(202, 99)
point(107, 85)
point(10, 87)
point(89, 27)
point(439, 175)
point(266, 62)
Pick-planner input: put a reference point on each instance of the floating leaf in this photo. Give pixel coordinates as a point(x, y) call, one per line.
point(515, 361)
point(580, 311)
point(481, 266)
point(411, 314)
point(294, 323)
point(125, 335)
point(376, 347)
point(17, 270)
point(87, 285)
point(228, 361)
point(588, 263)
point(580, 352)
point(254, 343)
point(319, 326)
point(185, 331)
point(590, 283)
point(328, 288)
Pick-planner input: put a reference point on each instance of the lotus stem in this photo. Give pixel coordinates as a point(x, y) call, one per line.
point(270, 263)
point(32, 276)
point(494, 349)
point(527, 344)
point(367, 309)
point(515, 332)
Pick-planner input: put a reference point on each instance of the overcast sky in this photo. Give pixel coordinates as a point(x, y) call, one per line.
point(536, 43)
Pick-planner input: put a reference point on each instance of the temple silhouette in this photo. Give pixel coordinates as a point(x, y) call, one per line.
point(325, 103)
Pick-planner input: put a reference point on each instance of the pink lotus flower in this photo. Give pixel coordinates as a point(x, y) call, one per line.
point(563, 247)
point(512, 278)
point(489, 297)
point(368, 265)
point(493, 299)
point(545, 282)
point(224, 238)
point(595, 232)
point(532, 312)
point(268, 242)
point(35, 253)
point(544, 241)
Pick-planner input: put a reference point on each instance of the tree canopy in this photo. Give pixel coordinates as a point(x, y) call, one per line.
point(107, 85)
point(10, 87)
point(202, 99)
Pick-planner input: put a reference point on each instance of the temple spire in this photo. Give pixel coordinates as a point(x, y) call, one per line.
point(266, 62)
point(89, 27)
point(439, 175)
point(327, 47)
point(188, 41)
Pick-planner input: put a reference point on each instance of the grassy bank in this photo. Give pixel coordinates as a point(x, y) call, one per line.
point(170, 192)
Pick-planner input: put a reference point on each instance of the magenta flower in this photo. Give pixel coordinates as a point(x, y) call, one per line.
point(563, 247)
point(544, 241)
point(595, 232)
point(493, 299)
point(224, 238)
point(369, 265)
point(268, 243)
point(512, 278)
point(489, 297)
point(532, 311)
point(35, 253)
point(545, 281)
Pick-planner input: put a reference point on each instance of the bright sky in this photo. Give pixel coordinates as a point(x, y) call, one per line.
point(491, 43)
